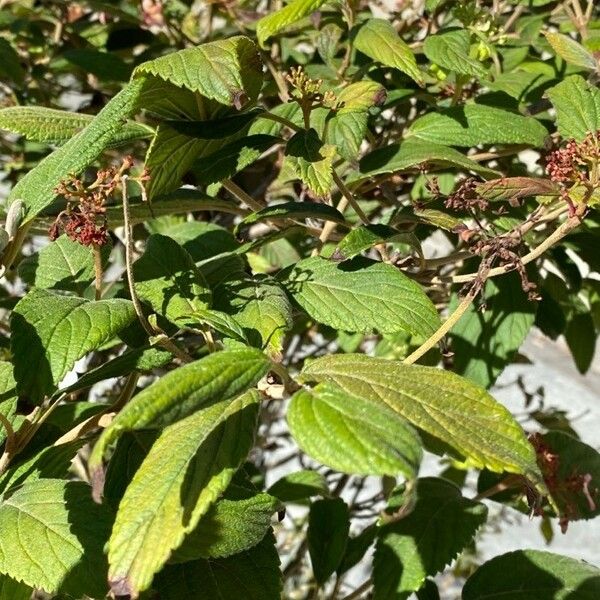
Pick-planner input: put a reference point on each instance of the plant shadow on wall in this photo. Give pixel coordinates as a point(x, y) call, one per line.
point(292, 247)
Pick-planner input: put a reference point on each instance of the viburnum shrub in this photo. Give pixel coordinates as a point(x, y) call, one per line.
point(260, 260)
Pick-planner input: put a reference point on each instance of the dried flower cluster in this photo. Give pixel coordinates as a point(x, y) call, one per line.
point(84, 219)
point(566, 490)
point(466, 197)
point(575, 163)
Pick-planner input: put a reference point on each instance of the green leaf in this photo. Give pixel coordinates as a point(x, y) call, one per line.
point(170, 156)
point(36, 188)
point(57, 539)
point(180, 393)
point(571, 51)
point(440, 403)
point(366, 236)
point(221, 322)
point(293, 210)
point(311, 161)
point(422, 543)
point(474, 124)
point(228, 71)
point(413, 152)
point(51, 332)
point(327, 536)
point(353, 434)
point(41, 124)
point(251, 575)
point(347, 131)
point(288, 15)
point(260, 307)
point(533, 575)
point(485, 341)
point(360, 96)
point(378, 39)
point(189, 466)
point(62, 265)
point(300, 485)
point(168, 280)
point(235, 523)
point(361, 295)
point(577, 105)
point(450, 50)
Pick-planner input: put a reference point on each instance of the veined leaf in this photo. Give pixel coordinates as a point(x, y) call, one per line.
point(577, 105)
point(41, 124)
point(411, 153)
point(228, 71)
point(237, 522)
point(378, 39)
point(63, 265)
point(180, 393)
point(275, 22)
point(361, 295)
point(474, 124)
point(221, 322)
point(366, 236)
point(347, 131)
point(571, 51)
point(422, 543)
point(448, 407)
point(450, 50)
point(166, 278)
point(36, 189)
point(58, 540)
point(51, 332)
point(327, 536)
point(360, 96)
point(532, 574)
point(484, 342)
point(252, 575)
point(353, 434)
point(260, 307)
point(294, 210)
point(311, 161)
point(186, 470)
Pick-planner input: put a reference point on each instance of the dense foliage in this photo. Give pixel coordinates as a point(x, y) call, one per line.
point(259, 261)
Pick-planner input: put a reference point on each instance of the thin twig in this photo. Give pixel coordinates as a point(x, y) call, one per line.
point(163, 340)
point(97, 271)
